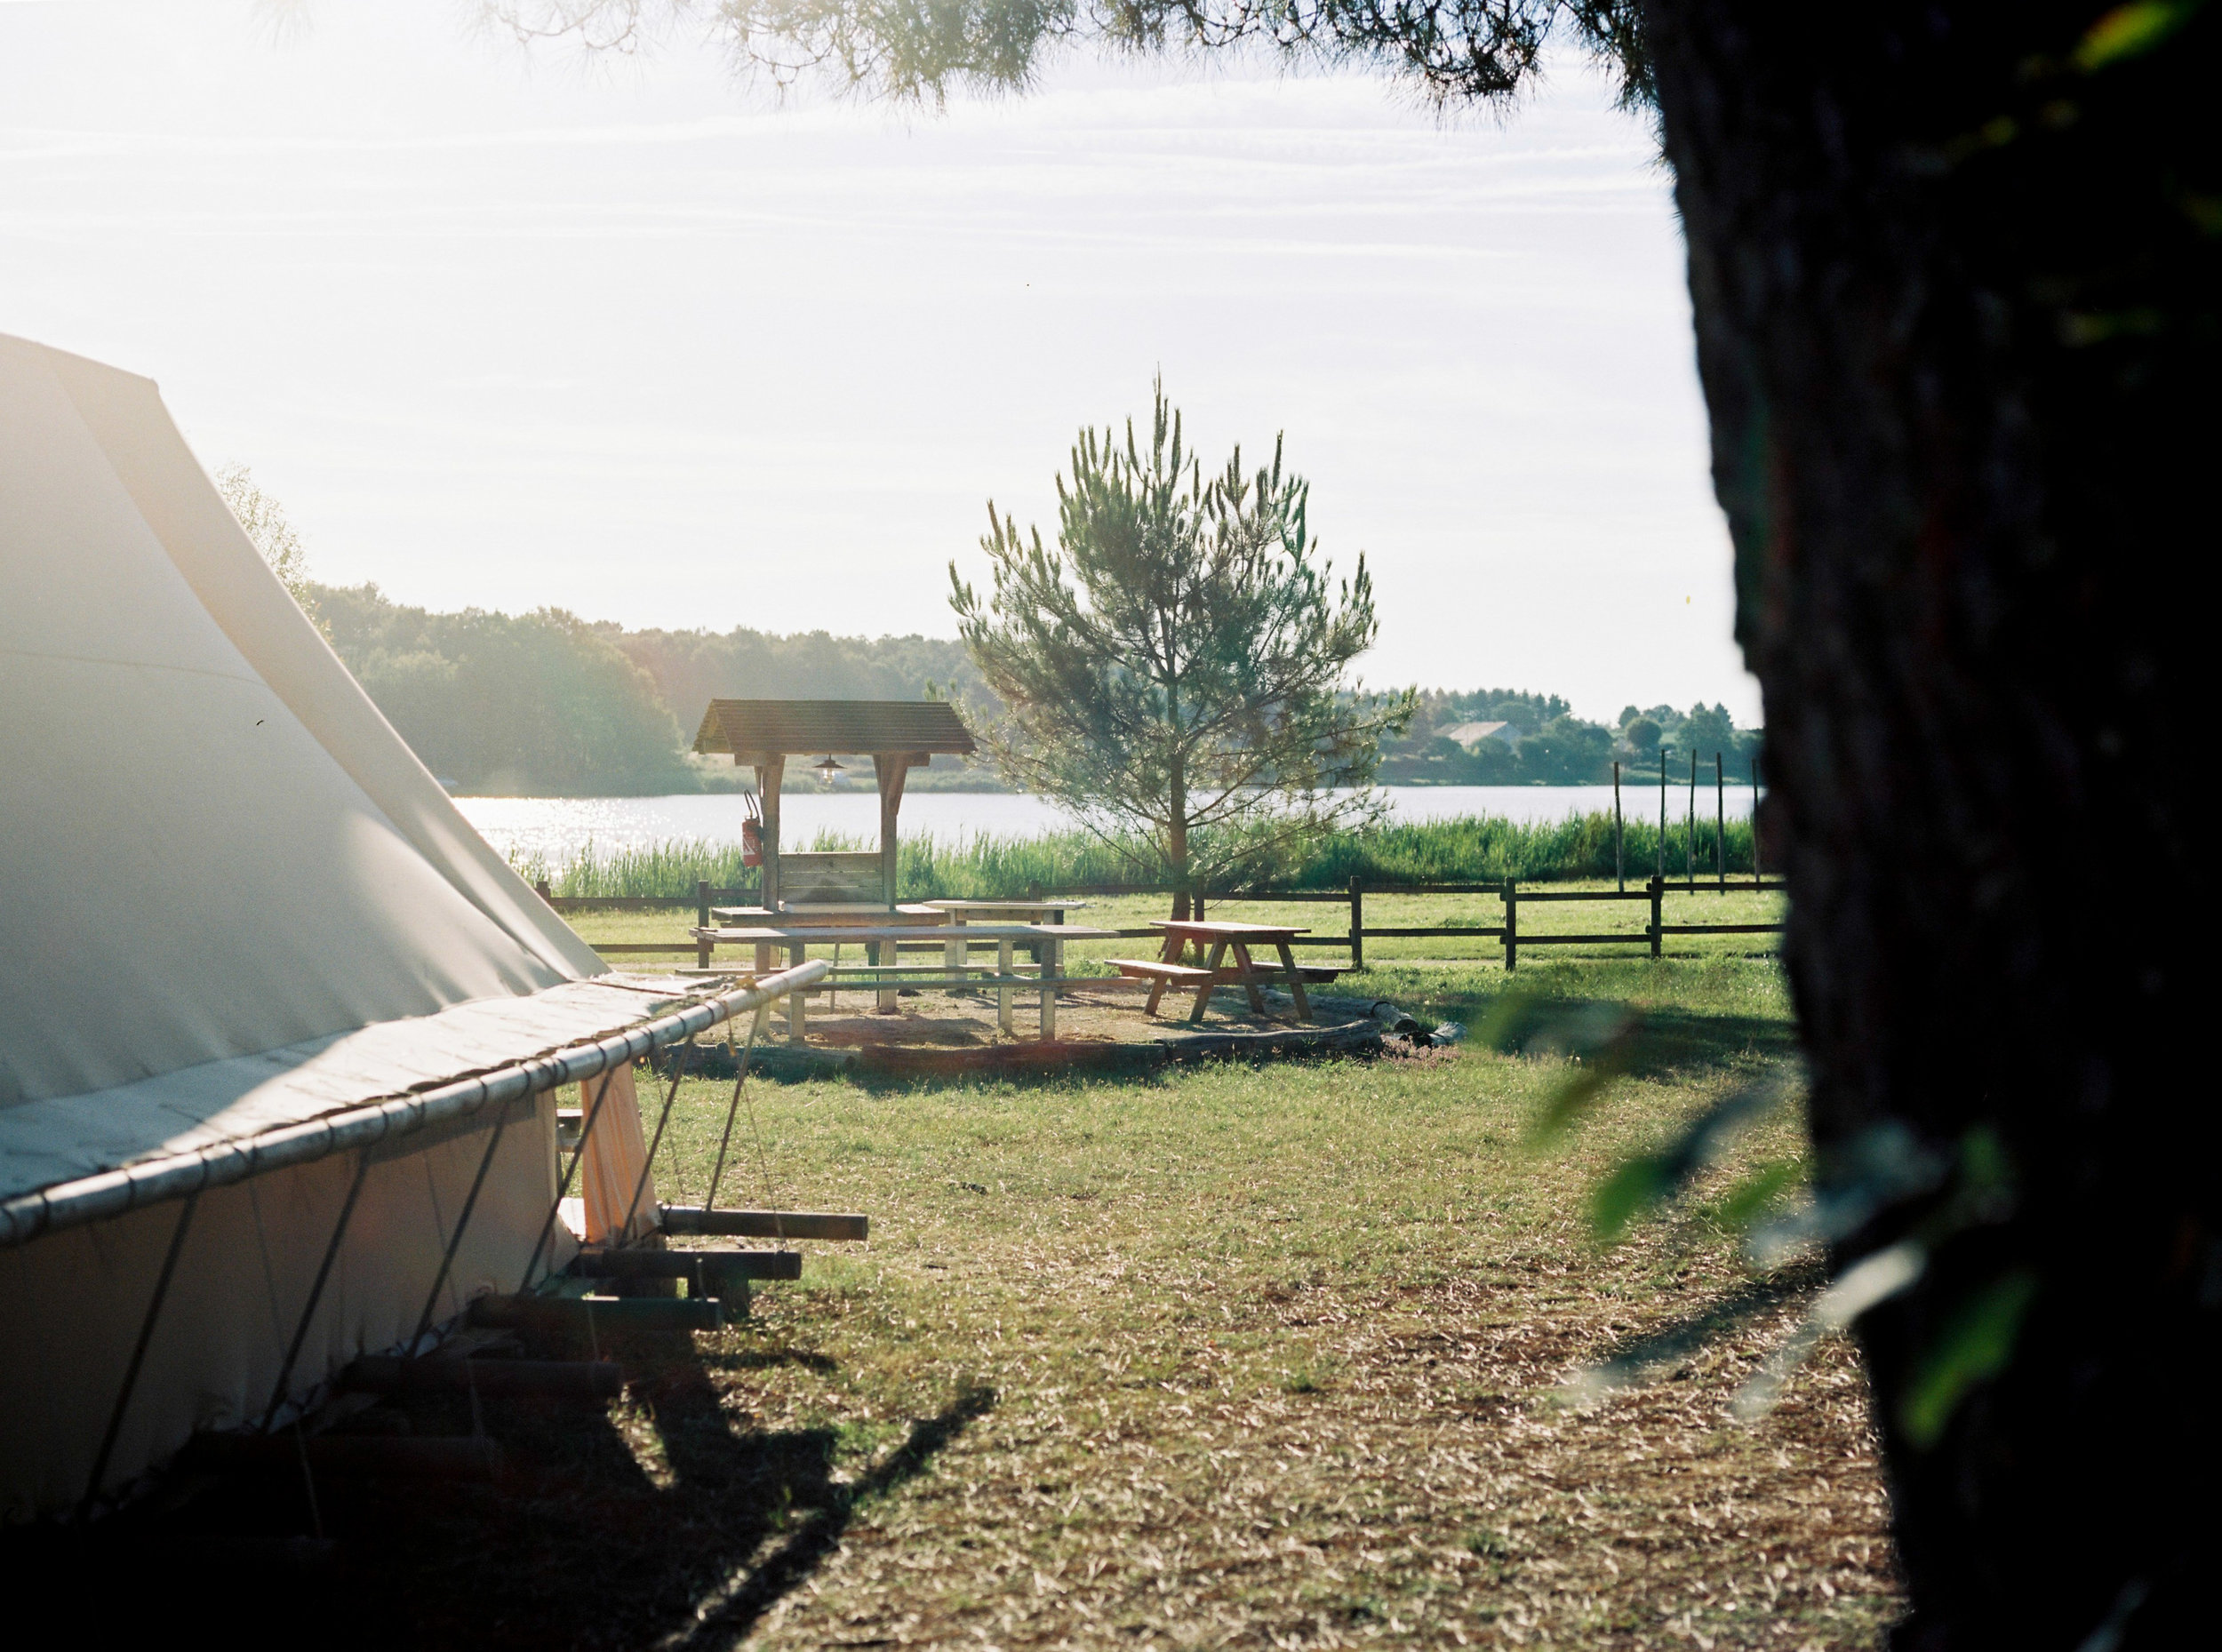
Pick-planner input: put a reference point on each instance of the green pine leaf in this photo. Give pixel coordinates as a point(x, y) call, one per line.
point(1974, 1347)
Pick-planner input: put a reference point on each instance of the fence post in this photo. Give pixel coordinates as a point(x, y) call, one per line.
point(1720, 821)
point(1689, 831)
point(1658, 892)
point(1758, 877)
point(1357, 925)
point(1619, 859)
point(1662, 811)
point(1512, 925)
point(547, 894)
point(701, 921)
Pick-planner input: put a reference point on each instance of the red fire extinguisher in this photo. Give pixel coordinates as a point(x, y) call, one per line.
point(752, 836)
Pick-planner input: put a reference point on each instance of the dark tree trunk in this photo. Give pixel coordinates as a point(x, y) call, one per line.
point(1956, 302)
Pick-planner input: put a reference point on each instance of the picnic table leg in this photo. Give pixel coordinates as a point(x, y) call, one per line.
point(887, 952)
point(1047, 952)
point(1002, 993)
point(795, 999)
point(764, 957)
point(1203, 992)
point(1296, 983)
point(953, 952)
point(1250, 978)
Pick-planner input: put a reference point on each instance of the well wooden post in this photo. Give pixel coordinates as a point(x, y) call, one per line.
point(770, 770)
point(889, 771)
point(1357, 925)
point(1658, 913)
point(1512, 925)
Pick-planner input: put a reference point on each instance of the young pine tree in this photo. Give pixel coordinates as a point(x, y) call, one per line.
point(1176, 668)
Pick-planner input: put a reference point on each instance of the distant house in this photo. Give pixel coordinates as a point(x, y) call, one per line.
point(1470, 735)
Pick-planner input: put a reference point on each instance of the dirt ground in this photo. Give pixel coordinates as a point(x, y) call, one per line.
point(1110, 1013)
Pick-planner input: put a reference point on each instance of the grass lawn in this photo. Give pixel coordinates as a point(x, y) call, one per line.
point(1240, 1356)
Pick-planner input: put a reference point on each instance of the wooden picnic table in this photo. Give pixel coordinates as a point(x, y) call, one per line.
point(1031, 911)
point(847, 920)
point(1009, 911)
point(1168, 971)
point(886, 973)
point(842, 915)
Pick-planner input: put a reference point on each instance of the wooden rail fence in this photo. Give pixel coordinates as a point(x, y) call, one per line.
point(1653, 894)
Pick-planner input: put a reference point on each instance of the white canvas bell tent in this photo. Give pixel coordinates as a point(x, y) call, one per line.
point(270, 1007)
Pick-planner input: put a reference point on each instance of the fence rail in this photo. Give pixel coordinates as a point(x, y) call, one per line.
point(1651, 894)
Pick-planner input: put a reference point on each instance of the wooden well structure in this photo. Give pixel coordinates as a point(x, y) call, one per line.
point(898, 736)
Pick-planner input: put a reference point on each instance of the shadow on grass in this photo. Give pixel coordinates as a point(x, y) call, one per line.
point(731, 1612)
point(1635, 1358)
point(772, 1359)
point(665, 1520)
point(1651, 1041)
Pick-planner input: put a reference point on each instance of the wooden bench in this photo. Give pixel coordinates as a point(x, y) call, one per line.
point(1160, 975)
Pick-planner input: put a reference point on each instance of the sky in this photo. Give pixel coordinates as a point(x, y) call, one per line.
point(506, 329)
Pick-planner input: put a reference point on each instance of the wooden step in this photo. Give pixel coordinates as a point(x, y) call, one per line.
point(763, 1224)
point(596, 1264)
point(578, 1380)
point(380, 1455)
point(605, 1315)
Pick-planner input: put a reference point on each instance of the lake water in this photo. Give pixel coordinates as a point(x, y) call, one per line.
point(557, 828)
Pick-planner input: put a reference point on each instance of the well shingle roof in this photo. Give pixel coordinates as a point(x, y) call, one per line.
point(798, 727)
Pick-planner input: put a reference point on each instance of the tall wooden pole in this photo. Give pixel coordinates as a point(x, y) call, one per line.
point(1619, 858)
point(1690, 836)
point(1755, 872)
point(1720, 828)
point(1662, 814)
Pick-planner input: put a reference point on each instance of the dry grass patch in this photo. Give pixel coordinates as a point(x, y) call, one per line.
point(1231, 1356)
point(1275, 1357)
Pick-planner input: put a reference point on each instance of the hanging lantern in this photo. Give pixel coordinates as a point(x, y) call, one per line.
point(829, 768)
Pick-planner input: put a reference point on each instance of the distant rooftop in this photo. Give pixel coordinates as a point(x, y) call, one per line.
point(776, 728)
point(1472, 734)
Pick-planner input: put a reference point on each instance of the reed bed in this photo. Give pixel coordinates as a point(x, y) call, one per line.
point(1470, 850)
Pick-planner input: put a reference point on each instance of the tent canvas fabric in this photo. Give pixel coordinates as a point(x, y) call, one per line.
point(617, 1190)
point(233, 903)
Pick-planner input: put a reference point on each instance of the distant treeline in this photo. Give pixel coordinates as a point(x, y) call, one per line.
point(1549, 745)
point(1475, 850)
point(549, 704)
